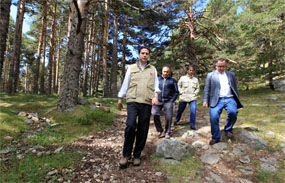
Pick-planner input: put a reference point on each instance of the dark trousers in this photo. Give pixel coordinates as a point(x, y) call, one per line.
point(168, 111)
point(136, 130)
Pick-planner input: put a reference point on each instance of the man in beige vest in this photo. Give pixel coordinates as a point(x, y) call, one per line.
point(140, 87)
point(189, 88)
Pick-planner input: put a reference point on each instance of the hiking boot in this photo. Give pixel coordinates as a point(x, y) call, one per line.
point(124, 162)
point(193, 128)
point(230, 135)
point(137, 162)
point(212, 142)
point(162, 135)
point(167, 136)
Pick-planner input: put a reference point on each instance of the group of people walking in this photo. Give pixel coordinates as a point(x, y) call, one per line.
point(147, 94)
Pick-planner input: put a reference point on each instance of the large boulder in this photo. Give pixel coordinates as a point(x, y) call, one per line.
point(173, 149)
point(279, 84)
point(252, 140)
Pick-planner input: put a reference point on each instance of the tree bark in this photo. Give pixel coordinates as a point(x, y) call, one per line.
point(42, 85)
point(39, 51)
point(124, 48)
point(58, 55)
point(4, 26)
point(105, 47)
point(6, 63)
point(114, 89)
point(15, 60)
point(51, 52)
point(70, 85)
point(87, 58)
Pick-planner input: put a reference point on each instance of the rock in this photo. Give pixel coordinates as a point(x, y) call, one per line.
point(282, 105)
point(204, 130)
point(252, 140)
point(22, 114)
point(29, 121)
point(244, 159)
point(272, 98)
point(9, 138)
point(6, 151)
point(244, 181)
point(38, 147)
point(282, 145)
point(198, 144)
point(51, 173)
point(279, 84)
point(170, 161)
point(254, 105)
point(58, 150)
point(220, 146)
point(239, 150)
point(216, 178)
point(35, 119)
point(33, 114)
point(268, 167)
point(92, 107)
point(190, 134)
point(251, 128)
point(173, 148)
point(210, 158)
point(246, 170)
point(54, 124)
point(271, 161)
point(47, 120)
point(158, 173)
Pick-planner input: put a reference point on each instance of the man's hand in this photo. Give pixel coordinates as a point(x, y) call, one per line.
point(154, 101)
point(205, 104)
point(120, 104)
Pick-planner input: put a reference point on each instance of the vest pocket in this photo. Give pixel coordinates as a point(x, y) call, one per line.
point(132, 91)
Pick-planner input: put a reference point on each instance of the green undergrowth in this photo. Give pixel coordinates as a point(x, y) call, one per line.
point(185, 170)
point(68, 127)
point(33, 168)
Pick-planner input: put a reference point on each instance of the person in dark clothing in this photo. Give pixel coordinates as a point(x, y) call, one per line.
point(166, 98)
point(140, 87)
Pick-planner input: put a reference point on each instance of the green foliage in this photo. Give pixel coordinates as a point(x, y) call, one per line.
point(187, 168)
point(98, 116)
point(33, 168)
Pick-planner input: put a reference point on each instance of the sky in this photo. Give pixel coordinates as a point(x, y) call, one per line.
point(26, 24)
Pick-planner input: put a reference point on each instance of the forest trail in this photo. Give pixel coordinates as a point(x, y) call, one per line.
point(236, 162)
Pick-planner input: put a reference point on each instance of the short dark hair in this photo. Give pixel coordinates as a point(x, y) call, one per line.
point(189, 66)
point(221, 60)
point(144, 47)
point(166, 67)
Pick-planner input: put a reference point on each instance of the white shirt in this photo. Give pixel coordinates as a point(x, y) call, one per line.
point(225, 90)
point(125, 85)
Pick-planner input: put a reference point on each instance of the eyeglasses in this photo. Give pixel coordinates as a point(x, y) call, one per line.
point(221, 66)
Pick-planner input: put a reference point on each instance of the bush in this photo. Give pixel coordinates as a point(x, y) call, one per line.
point(97, 116)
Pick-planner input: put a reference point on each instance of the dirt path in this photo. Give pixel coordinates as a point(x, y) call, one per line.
point(103, 152)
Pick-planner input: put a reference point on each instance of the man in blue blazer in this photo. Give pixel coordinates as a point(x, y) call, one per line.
point(220, 93)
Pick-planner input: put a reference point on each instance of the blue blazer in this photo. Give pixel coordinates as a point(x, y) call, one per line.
point(212, 88)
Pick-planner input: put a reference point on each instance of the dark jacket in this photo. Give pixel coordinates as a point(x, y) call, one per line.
point(168, 88)
point(212, 89)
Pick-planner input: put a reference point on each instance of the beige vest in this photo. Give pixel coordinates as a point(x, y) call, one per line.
point(141, 88)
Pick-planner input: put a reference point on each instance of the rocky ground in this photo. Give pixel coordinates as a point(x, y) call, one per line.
point(228, 161)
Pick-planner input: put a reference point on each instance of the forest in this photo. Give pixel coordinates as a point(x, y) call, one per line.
point(62, 63)
point(83, 47)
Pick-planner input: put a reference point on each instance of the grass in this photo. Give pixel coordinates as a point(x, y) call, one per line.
point(186, 170)
point(72, 126)
point(33, 168)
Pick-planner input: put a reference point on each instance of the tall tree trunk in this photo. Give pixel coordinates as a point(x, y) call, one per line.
point(39, 52)
point(58, 54)
point(6, 63)
point(115, 57)
point(97, 76)
point(52, 51)
point(87, 56)
point(26, 78)
point(15, 60)
point(4, 26)
point(105, 47)
point(124, 48)
point(70, 85)
point(42, 85)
